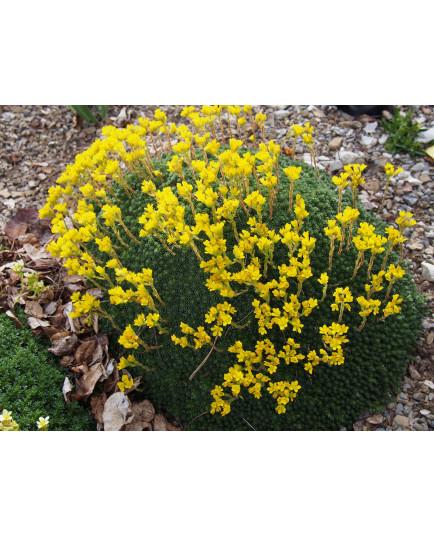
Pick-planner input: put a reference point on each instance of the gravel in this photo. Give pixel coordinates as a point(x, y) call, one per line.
point(38, 142)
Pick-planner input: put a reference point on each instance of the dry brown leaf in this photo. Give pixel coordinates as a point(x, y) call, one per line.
point(86, 383)
point(29, 238)
point(172, 428)
point(34, 309)
point(13, 278)
point(59, 334)
point(6, 257)
point(74, 323)
point(144, 410)
point(51, 308)
point(66, 390)
point(15, 228)
point(36, 323)
point(63, 345)
point(85, 351)
point(160, 423)
point(97, 404)
point(10, 314)
point(117, 413)
point(81, 369)
point(67, 279)
point(67, 361)
point(46, 297)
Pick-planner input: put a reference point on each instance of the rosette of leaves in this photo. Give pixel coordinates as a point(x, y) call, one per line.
point(403, 132)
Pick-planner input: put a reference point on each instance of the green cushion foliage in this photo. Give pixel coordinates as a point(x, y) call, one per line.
point(31, 382)
point(330, 398)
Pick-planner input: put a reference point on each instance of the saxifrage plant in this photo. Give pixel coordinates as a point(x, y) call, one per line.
point(31, 384)
point(255, 291)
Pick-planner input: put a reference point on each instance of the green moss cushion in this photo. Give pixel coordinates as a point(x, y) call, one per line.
point(31, 382)
point(333, 396)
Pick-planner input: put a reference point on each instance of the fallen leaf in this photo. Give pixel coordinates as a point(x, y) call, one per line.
point(67, 361)
point(29, 238)
point(117, 413)
point(15, 228)
point(50, 308)
point(66, 390)
point(97, 404)
point(35, 323)
point(10, 314)
point(85, 351)
point(160, 423)
point(73, 279)
point(46, 297)
point(86, 383)
point(34, 309)
point(59, 334)
point(62, 346)
point(82, 369)
point(73, 322)
point(172, 428)
point(144, 410)
point(18, 224)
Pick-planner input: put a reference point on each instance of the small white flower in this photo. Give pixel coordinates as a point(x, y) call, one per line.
point(43, 423)
point(5, 416)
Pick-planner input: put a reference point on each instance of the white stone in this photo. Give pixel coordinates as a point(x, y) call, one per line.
point(370, 128)
point(413, 181)
point(428, 271)
point(281, 114)
point(348, 157)
point(368, 141)
point(424, 137)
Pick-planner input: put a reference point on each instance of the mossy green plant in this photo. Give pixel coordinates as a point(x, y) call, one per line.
point(31, 381)
point(242, 243)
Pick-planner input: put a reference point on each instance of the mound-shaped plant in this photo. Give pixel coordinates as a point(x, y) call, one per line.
point(31, 382)
point(255, 291)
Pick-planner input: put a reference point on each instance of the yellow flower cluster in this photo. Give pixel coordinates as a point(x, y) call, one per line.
point(215, 181)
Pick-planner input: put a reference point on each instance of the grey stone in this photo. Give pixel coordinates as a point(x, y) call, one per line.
point(417, 168)
point(413, 181)
point(401, 421)
point(427, 270)
point(349, 157)
point(370, 128)
point(368, 141)
point(411, 200)
point(281, 114)
point(420, 397)
point(7, 117)
point(399, 408)
point(336, 165)
point(336, 144)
